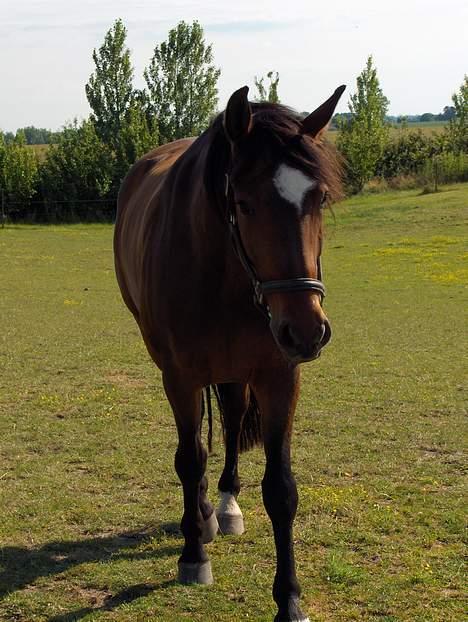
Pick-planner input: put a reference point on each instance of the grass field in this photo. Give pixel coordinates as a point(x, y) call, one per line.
point(90, 500)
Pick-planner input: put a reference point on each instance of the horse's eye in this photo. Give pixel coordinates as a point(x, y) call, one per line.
point(324, 199)
point(245, 208)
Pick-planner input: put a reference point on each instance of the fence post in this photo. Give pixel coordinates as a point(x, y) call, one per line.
point(436, 174)
point(2, 200)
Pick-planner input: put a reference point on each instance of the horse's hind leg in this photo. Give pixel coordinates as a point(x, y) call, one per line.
point(190, 464)
point(234, 403)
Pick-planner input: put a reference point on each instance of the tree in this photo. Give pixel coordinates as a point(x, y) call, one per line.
point(458, 127)
point(110, 88)
point(2, 191)
point(402, 121)
point(449, 112)
point(363, 137)
point(427, 117)
point(79, 167)
point(272, 94)
point(120, 113)
point(139, 133)
point(38, 135)
point(2, 153)
point(8, 138)
point(18, 170)
point(181, 82)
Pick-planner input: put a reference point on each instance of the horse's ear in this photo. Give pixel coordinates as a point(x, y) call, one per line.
point(318, 119)
point(238, 115)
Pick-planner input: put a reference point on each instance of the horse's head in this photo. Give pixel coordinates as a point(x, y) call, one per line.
point(281, 175)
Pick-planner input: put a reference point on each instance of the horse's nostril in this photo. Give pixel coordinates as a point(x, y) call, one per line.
point(326, 333)
point(320, 333)
point(286, 336)
point(305, 346)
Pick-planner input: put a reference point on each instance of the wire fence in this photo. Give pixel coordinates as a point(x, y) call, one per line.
point(46, 210)
point(441, 169)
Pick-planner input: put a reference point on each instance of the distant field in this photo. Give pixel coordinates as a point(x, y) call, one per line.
point(427, 128)
point(90, 499)
point(41, 150)
point(428, 125)
point(435, 127)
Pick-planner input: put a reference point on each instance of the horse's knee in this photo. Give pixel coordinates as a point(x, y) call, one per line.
point(190, 460)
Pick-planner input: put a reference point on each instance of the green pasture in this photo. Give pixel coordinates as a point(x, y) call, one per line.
point(90, 502)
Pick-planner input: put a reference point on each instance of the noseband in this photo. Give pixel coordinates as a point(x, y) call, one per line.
point(266, 287)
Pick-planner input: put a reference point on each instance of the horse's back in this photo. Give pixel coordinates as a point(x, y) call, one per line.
point(137, 208)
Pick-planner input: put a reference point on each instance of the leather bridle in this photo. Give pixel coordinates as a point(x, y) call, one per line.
point(266, 287)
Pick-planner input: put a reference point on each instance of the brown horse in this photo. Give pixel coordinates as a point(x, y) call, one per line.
point(217, 251)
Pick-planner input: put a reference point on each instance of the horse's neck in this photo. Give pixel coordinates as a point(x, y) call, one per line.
point(205, 168)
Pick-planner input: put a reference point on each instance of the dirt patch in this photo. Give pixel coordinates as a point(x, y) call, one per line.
point(122, 379)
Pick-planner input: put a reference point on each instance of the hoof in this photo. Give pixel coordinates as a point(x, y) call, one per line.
point(231, 524)
point(210, 528)
point(291, 613)
point(230, 519)
point(195, 573)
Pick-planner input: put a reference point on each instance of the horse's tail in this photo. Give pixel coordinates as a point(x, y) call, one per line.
point(251, 433)
point(251, 430)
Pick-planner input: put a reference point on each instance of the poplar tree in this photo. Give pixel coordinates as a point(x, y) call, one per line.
point(110, 88)
point(181, 81)
point(272, 94)
point(458, 128)
point(365, 134)
point(18, 170)
point(120, 113)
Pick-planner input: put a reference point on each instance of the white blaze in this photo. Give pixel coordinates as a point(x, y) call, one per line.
point(293, 185)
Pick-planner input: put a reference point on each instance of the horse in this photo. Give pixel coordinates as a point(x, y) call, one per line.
point(217, 250)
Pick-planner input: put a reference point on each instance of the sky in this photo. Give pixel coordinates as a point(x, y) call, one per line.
point(420, 49)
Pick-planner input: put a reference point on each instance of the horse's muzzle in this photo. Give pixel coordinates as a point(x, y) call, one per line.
point(300, 347)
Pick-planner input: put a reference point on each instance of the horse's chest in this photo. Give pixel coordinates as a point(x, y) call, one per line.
point(214, 344)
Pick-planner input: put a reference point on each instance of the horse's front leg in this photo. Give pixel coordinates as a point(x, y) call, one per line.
point(190, 464)
point(277, 396)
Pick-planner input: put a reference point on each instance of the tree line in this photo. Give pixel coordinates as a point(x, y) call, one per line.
point(370, 151)
point(79, 174)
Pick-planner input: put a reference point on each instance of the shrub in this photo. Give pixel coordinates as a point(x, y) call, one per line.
point(408, 154)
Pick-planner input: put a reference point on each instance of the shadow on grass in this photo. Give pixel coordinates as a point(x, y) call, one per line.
point(21, 566)
point(111, 602)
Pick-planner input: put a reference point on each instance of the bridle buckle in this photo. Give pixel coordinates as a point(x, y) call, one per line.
point(258, 291)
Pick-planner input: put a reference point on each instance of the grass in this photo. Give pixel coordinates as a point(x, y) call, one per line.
point(90, 500)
